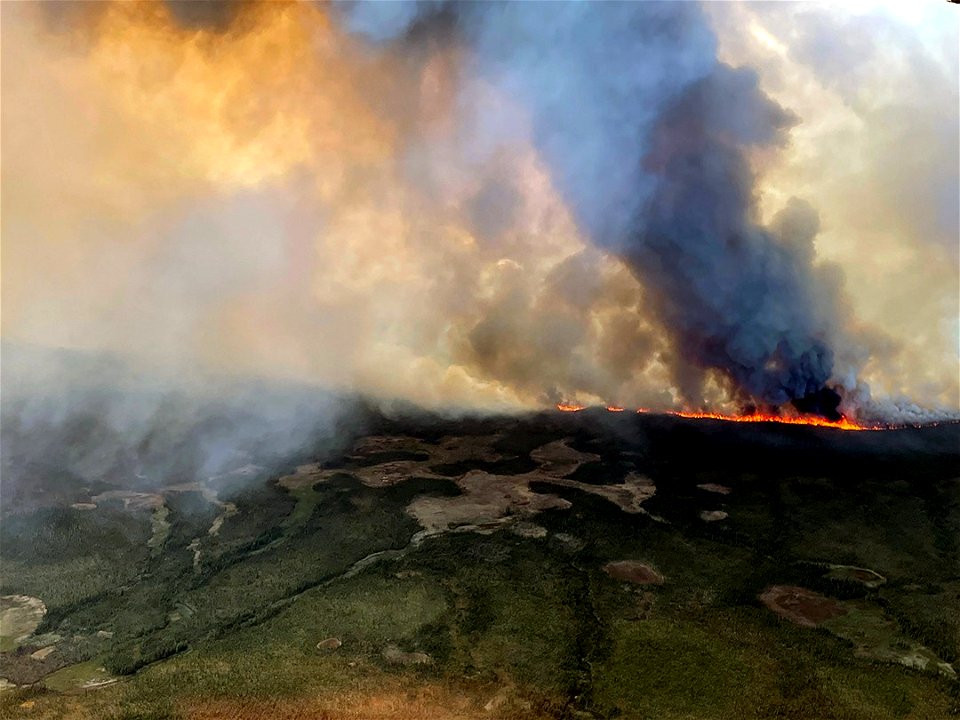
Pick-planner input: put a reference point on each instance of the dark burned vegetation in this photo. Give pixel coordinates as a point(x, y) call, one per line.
point(519, 614)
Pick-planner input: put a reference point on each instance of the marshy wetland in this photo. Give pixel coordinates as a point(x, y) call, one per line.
point(590, 565)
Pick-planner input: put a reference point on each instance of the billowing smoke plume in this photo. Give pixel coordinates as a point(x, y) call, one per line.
point(647, 135)
point(738, 298)
point(460, 205)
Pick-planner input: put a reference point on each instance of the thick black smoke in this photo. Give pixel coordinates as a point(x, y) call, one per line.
point(737, 298)
point(646, 134)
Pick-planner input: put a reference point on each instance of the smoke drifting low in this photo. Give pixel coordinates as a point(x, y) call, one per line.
point(79, 419)
point(469, 206)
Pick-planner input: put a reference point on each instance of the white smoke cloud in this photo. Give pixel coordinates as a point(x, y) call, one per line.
point(876, 88)
point(436, 217)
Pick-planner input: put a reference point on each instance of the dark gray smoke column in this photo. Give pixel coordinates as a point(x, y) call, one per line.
point(645, 133)
point(737, 298)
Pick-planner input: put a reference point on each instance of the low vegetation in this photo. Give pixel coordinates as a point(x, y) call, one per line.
point(505, 621)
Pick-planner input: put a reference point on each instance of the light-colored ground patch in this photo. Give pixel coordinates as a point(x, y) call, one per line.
point(19, 617)
point(628, 496)
point(486, 498)
point(84, 506)
point(305, 476)
point(489, 498)
point(82, 676)
point(633, 571)
point(715, 488)
point(865, 576)
point(713, 515)
point(159, 528)
point(229, 509)
point(182, 610)
point(874, 634)
point(558, 458)
point(131, 500)
point(878, 636)
point(488, 501)
point(197, 553)
point(6, 685)
point(42, 653)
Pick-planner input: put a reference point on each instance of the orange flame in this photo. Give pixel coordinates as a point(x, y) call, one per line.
point(841, 424)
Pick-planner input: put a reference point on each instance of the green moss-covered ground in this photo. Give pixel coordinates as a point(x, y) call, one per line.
point(515, 625)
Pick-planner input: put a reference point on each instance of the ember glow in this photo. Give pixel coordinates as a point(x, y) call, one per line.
point(841, 424)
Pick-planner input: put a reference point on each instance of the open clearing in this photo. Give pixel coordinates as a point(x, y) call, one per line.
point(20, 615)
point(82, 676)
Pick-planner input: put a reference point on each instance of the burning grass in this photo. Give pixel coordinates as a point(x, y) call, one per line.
point(754, 417)
point(841, 424)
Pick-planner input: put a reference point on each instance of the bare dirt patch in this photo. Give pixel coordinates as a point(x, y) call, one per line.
point(628, 496)
point(877, 635)
point(42, 653)
point(450, 451)
point(633, 571)
point(488, 500)
point(19, 617)
point(485, 499)
point(801, 606)
point(559, 459)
